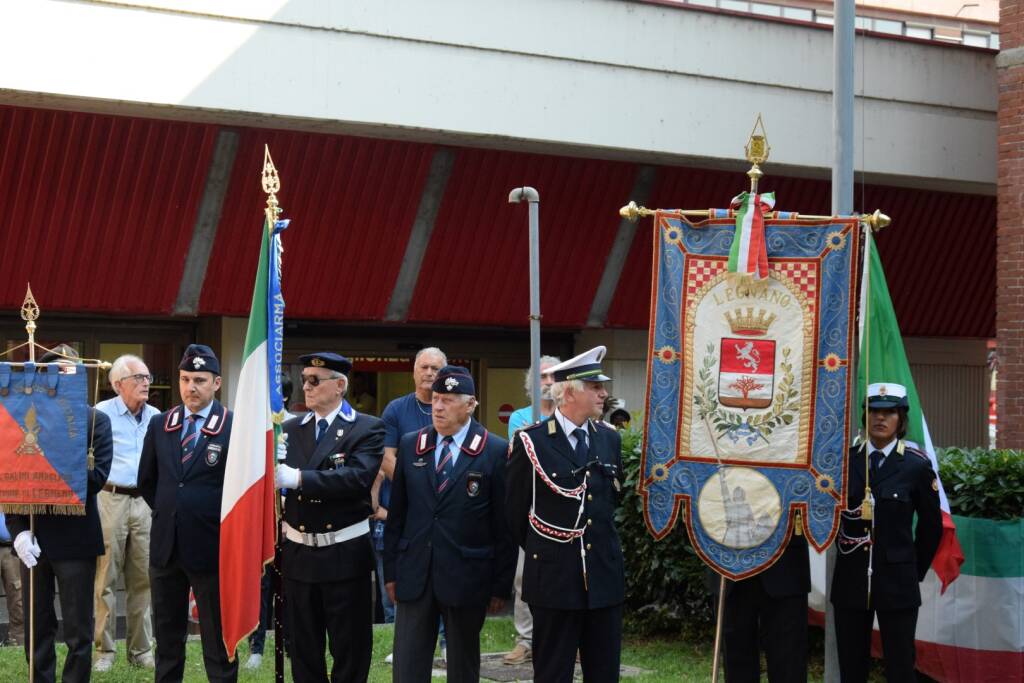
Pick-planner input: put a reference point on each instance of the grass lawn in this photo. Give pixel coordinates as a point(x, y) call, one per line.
point(666, 659)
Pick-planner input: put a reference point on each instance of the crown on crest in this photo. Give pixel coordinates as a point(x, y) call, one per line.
point(749, 324)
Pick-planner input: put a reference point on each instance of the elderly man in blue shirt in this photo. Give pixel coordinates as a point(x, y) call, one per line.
point(126, 519)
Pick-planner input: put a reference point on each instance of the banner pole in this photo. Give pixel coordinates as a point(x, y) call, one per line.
point(718, 629)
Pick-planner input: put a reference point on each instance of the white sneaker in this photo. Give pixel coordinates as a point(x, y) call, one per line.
point(103, 663)
point(390, 658)
point(254, 661)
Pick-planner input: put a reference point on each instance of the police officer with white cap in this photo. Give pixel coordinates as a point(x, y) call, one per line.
point(332, 457)
point(889, 483)
point(563, 482)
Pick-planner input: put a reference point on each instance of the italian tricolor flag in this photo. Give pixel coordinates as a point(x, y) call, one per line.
point(247, 507)
point(883, 357)
point(749, 252)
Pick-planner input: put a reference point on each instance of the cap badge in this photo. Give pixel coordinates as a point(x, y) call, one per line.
point(317, 362)
point(451, 383)
point(883, 390)
point(198, 362)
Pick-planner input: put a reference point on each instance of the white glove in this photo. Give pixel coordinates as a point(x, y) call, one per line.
point(27, 547)
point(286, 477)
point(281, 450)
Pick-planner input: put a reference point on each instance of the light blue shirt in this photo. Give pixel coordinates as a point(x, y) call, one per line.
point(568, 426)
point(128, 436)
point(457, 439)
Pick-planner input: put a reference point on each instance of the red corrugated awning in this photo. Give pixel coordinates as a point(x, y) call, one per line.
point(476, 270)
point(98, 210)
point(352, 202)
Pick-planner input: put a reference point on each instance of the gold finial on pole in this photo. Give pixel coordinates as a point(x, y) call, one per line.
point(757, 150)
point(271, 185)
point(30, 313)
point(877, 220)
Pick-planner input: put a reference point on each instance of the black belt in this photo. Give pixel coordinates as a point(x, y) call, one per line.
point(123, 490)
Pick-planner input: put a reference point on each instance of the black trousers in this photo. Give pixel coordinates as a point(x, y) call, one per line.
point(853, 636)
point(169, 588)
point(754, 621)
point(338, 611)
point(558, 634)
point(416, 626)
point(75, 579)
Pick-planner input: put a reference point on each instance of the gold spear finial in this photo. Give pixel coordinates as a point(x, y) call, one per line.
point(271, 185)
point(30, 313)
point(757, 150)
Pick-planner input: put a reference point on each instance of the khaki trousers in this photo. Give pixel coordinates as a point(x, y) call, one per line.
point(10, 570)
point(126, 522)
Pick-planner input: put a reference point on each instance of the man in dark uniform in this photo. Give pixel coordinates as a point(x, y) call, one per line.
point(181, 477)
point(563, 482)
point(888, 484)
point(769, 612)
point(447, 550)
point(332, 459)
point(63, 551)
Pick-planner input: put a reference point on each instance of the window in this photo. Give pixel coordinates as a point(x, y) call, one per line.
point(993, 41)
point(704, 3)
point(923, 32)
point(735, 5)
point(767, 10)
point(975, 38)
point(888, 26)
point(824, 18)
point(798, 13)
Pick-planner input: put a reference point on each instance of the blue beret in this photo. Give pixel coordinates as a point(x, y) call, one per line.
point(326, 359)
point(454, 379)
point(199, 358)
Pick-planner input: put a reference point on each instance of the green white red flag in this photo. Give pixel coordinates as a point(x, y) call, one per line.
point(749, 252)
point(247, 514)
point(883, 357)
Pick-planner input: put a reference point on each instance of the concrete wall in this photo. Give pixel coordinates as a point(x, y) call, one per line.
point(603, 77)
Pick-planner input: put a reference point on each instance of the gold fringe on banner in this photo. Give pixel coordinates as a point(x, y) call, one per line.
point(41, 509)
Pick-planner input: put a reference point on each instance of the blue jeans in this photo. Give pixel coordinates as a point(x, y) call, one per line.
point(385, 601)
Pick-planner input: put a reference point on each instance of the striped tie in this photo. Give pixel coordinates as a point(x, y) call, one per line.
point(188, 439)
point(444, 465)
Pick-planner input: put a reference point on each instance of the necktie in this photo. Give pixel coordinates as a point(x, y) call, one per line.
point(188, 439)
point(581, 445)
point(876, 461)
point(444, 465)
point(321, 428)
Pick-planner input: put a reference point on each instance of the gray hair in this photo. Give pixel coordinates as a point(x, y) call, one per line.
point(432, 350)
point(544, 360)
point(119, 368)
point(558, 389)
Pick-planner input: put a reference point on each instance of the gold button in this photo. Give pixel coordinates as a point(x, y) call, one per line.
point(535, 556)
point(590, 496)
point(554, 474)
point(895, 495)
point(329, 526)
point(302, 527)
point(588, 473)
point(588, 546)
point(590, 522)
point(300, 496)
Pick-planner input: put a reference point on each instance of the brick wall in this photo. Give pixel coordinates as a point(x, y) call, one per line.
point(1010, 232)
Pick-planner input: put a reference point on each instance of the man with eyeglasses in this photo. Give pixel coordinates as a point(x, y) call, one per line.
point(331, 460)
point(126, 520)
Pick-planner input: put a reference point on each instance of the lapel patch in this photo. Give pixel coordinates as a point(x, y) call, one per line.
point(552, 427)
point(173, 421)
point(213, 451)
point(476, 442)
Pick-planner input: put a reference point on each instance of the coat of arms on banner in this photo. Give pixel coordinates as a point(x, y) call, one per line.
point(43, 439)
point(748, 385)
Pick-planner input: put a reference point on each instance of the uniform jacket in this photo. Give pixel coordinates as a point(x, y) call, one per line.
point(185, 498)
point(76, 537)
point(789, 577)
point(337, 475)
point(553, 571)
point(904, 485)
point(455, 543)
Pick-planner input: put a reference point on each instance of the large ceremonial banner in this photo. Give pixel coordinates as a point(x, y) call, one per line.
point(43, 439)
point(748, 384)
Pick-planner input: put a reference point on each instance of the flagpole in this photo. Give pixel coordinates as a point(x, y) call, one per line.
point(271, 186)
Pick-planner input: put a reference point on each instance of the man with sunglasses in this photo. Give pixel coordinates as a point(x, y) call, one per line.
point(331, 460)
point(126, 520)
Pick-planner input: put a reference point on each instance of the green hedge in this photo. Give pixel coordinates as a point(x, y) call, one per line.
point(664, 579)
point(983, 483)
